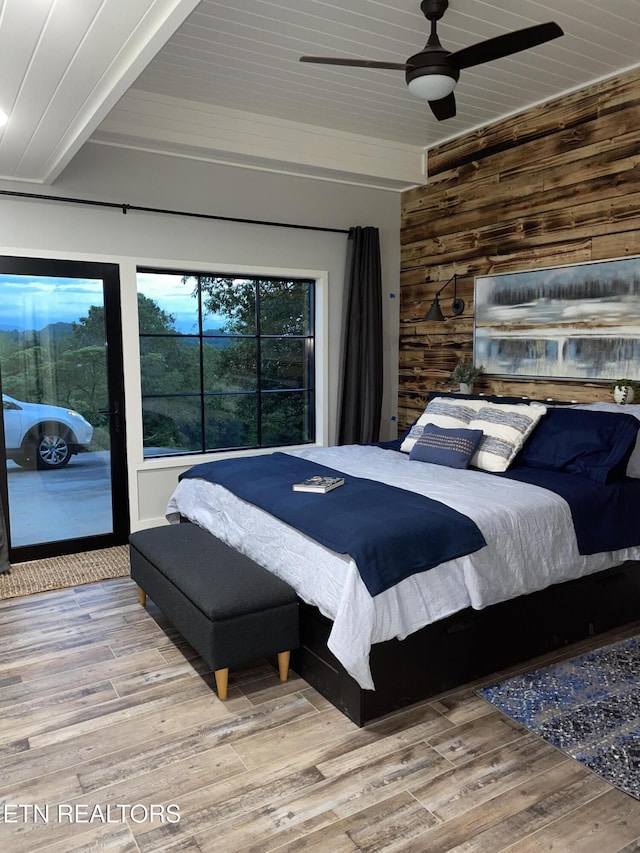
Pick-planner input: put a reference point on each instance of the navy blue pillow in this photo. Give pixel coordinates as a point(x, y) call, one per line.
point(451, 447)
point(588, 443)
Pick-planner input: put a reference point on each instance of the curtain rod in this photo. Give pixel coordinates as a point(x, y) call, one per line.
point(125, 208)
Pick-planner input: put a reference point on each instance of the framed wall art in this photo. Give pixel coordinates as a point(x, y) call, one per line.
point(571, 322)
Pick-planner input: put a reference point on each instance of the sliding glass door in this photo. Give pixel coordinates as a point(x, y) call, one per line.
point(63, 418)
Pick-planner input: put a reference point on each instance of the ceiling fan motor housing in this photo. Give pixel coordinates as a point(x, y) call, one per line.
point(431, 60)
point(429, 75)
point(433, 10)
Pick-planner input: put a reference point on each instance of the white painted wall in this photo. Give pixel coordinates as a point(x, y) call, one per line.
point(51, 229)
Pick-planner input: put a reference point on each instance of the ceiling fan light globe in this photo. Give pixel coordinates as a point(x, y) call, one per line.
point(432, 87)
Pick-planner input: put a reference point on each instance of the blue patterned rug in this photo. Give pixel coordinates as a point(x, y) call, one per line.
point(588, 707)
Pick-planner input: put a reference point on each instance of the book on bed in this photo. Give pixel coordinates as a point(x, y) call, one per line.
point(318, 484)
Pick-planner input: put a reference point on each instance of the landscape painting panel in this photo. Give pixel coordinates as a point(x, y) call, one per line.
point(571, 322)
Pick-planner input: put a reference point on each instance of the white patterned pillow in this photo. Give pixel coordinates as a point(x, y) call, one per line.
point(505, 428)
point(443, 412)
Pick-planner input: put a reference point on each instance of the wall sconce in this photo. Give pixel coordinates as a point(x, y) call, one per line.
point(457, 306)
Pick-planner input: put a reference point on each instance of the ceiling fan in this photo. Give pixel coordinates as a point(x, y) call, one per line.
point(433, 73)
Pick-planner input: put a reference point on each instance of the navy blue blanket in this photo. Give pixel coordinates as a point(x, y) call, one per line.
point(605, 517)
point(390, 533)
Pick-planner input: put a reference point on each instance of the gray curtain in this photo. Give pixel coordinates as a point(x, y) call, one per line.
point(361, 402)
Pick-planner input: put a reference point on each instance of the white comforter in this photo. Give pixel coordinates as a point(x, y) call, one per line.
point(529, 531)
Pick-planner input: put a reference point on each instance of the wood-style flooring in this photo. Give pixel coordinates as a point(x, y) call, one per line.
point(105, 715)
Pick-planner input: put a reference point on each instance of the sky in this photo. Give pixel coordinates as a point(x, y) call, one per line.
point(32, 302)
point(174, 297)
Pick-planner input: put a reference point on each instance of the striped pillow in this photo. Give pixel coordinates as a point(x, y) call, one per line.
point(451, 447)
point(443, 412)
point(505, 428)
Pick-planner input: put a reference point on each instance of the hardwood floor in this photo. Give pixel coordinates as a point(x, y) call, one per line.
point(113, 726)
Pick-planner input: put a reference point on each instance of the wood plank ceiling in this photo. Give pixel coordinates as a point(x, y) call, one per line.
point(220, 67)
point(244, 54)
point(63, 66)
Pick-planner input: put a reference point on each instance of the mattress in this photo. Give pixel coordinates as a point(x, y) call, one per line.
point(529, 531)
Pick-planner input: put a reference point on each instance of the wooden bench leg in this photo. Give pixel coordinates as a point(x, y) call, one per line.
point(222, 680)
point(142, 596)
point(283, 665)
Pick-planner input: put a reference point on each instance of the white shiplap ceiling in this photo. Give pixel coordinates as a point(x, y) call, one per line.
point(63, 65)
point(221, 80)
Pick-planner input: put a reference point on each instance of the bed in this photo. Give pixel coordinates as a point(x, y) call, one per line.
point(536, 582)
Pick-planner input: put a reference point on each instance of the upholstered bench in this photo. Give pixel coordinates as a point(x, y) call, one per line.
point(230, 609)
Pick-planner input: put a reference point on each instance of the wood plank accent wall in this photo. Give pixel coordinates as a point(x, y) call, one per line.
point(559, 184)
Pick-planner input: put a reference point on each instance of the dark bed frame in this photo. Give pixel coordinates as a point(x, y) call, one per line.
point(468, 645)
point(471, 644)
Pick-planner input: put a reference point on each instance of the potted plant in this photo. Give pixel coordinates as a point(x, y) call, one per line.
point(625, 390)
point(465, 374)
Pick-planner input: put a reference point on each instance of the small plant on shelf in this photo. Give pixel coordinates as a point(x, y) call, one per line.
point(625, 390)
point(466, 372)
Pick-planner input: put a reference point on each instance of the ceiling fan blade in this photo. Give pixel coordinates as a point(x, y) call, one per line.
point(356, 63)
point(444, 108)
point(505, 45)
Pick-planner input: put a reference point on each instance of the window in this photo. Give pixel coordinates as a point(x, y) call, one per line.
point(227, 361)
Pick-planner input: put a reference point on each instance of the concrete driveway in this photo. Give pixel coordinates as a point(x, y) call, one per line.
point(47, 506)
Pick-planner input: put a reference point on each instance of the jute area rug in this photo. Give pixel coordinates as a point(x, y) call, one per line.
point(62, 572)
point(587, 707)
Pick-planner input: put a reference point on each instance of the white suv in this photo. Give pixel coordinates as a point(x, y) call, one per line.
point(42, 436)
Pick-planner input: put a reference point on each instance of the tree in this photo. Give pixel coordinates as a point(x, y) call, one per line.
point(152, 319)
point(169, 367)
point(284, 304)
point(28, 373)
point(83, 370)
point(274, 360)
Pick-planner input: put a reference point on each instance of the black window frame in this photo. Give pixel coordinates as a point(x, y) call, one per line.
point(203, 394)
